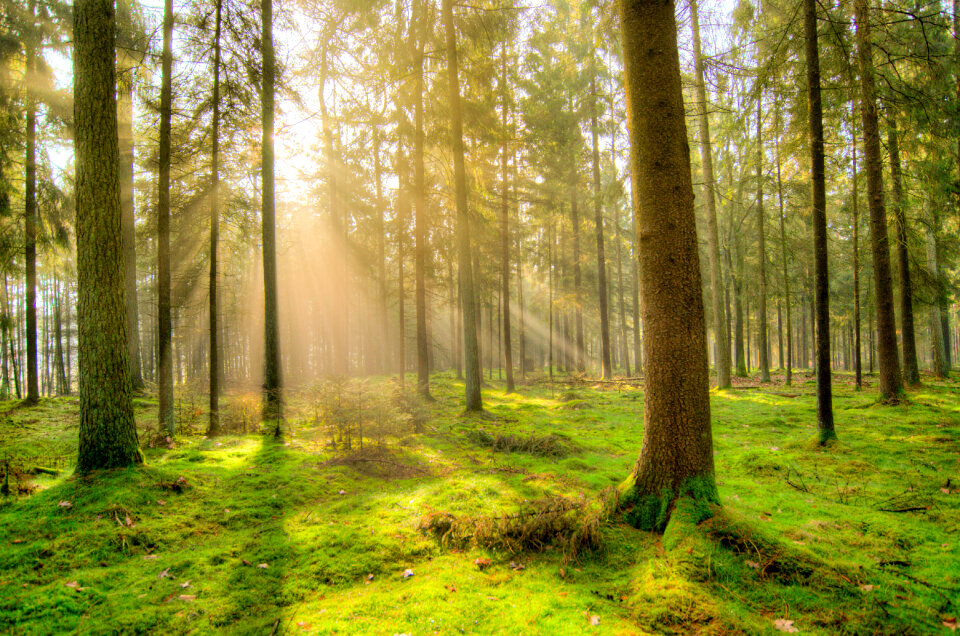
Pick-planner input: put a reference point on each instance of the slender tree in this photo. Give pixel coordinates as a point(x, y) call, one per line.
point(891, 385)
point(761, 250)
point(213, 426)
point(419, 33)
point(164, 320)
point(722, 354)
point(30, 209)
point(272, 380)
point(108, 433)
point(676, 458)
point(505, 226)
point(855, 199)
point(818, 186)
point(605, 364)
point(474, 401)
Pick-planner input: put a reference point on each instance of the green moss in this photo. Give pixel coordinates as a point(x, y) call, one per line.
point(646, 511)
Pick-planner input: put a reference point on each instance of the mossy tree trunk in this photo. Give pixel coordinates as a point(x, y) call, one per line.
point(855, 197)
point(818, 187)
point(471, 352)
point(676, 458)
point(419, 33)
point(891, 383)
point(108, 434)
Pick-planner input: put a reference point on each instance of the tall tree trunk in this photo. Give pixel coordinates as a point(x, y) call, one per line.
point(165, 341)
point(577, 279)
point(761, 251)
point(676, 457)
point(419, 204)
point(213, 426)
point(30, 213)
point(722, 355)
point(381, 365)
point(108, 433)
point(128, 203)
point(891, 385)
point(471, 355)
point(911, 370)
point(505, 228)
point(605, 364)
point(857, 362)
point(825, 428)
point(272, 378)
point(938, 354)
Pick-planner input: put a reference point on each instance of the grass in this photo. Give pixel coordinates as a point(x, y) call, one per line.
point(246, 535)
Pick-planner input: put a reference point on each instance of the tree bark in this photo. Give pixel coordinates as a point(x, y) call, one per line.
point(108, 433)
point(505, 229)
point(857, 358)
point(818, 186)
point(722, 355)
point(891, 385)
point(419, 30)
point(272, 379)
point(213, 425)
point(165, 326)
point(938, 355)
point(605, 365)
point(676, 457)
point(761, 251)
point(474, 401)
point(30, 213)
point(911, 370)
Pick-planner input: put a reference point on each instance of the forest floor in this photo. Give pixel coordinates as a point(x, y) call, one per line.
point(247, 535)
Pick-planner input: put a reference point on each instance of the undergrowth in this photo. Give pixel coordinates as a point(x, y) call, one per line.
point(381, 514)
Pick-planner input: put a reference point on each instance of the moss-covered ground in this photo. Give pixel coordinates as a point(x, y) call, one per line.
point(245, 535)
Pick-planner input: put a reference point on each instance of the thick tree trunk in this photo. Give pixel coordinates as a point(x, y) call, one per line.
point(272, 379)
point(165, 325)
point(891, 385)
point(911, 370)
point(213, 425)
point(761, 252)
point(471, 355)
point(722, 354)
point(108, 433)
point(676, 458)
point(825, 428)
point(30, 217)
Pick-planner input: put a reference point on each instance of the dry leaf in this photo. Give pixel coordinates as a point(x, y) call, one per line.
point(149, 557)
point(950, 622)
point(73, 584)
point(185, 584)
point(868, 588)
point(166, 574)
point(262, 566)
point(753, 564)
point(481, 563)
point(945, 491)
point(187, 597)
point(785, 625)
point(66, 505)
point(594, 620)
point(407, 573)
point(451, 587)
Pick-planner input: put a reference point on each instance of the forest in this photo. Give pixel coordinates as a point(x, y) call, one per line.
point(435, 317)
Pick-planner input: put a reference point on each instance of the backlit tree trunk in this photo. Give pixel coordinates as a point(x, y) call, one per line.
point(605, 365)
point(30, 213)
point(213, 426)
point(419, 32)
point(761, 251)
point(825, 428)
point(505, 230)
point(165, 326)
point(471, 354)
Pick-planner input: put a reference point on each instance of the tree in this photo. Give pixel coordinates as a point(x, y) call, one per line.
point(418, 31)
point(505, 227)
point(890, 381)
point(213, 426)
point(605, 365)
point(722, 356)
point(818, 187)
point(272, 381)
point(30, 212)
point(164, 322)
point(676, 457)
point(761, 249)
point(468, 301)
point(108, 434)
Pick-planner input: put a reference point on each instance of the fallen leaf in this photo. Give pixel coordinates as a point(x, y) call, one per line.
point(166, 575)
point(563, 573)
point(594, 620)
point(451, 587)
point(342, 492)
point(149, 557)
point(187, 597)
point(245, 562)
point(304, 625)
point(66, 505)
point(128, 521)
point(73, 584)
point(481, 563)
point(262, 566)
point(17, 541)
point(785, 625)
point(774, 448)
point(868, 588)
point(161, 502)
point(753, 564)
point(945, 491)
point(407, 573)
point(185, 584)
point(517, 566)
point(950, 622)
